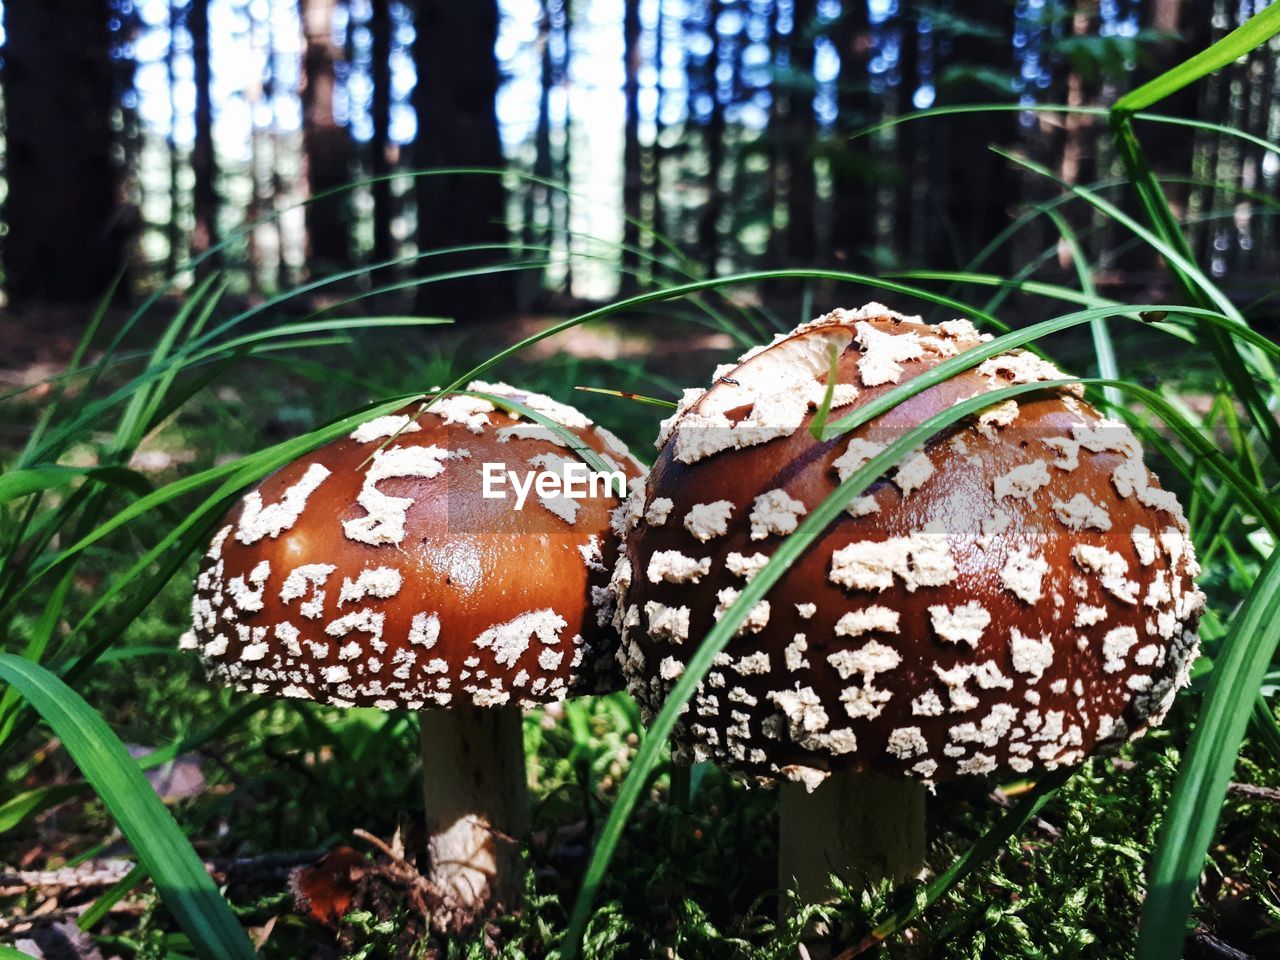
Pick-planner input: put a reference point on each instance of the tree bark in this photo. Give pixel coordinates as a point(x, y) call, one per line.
point(853, 164)
point(713, 137)
point(175, 243)
point(457, 127)
point(632, 173)
point(66, 237)
point(326, 144)
point(909, 226)
point(800, 133)
point(981, 190)
point(204, 161)
point(380, 146)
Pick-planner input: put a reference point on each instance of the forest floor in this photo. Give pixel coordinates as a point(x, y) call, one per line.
point(284, 800)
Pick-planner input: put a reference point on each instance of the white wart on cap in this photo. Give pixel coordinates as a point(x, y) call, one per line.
point(1013, 597)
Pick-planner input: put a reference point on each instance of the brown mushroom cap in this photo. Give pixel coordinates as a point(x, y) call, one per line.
point(396, 583)
point(1013, 596)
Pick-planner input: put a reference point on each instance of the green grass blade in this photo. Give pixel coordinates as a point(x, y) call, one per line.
point(1104, 350)
point(570, 439)
point(789, 550)
point(128, 432)
point(155, 837)
point(110, 897)
point(1253, 33)
point(819, 424)
point(1208, 126)
point(54, 406)
point(1267, 727)
point(627, 395)
point(982, 850)
point(793, 545)
point(20, 808)
point(22, 483)
point(1191, 818)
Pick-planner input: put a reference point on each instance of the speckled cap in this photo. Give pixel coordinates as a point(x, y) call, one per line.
point(373, 571)
point(1013, 596)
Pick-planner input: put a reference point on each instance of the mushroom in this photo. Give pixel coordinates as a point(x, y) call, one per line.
point(1009, 598)
point(381, 571)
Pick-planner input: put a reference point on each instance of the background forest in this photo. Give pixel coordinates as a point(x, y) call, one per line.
point(231, 228)
point(140, 135)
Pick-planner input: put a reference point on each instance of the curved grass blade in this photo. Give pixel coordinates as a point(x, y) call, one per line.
point(789, 550)
point(109, 898)
point(27, 804)
point(1191, 818)
point(155, 837)
point(1169, 242)
point(1267, 727)
point(626, 395)
point(570, 439)
point(1103, 112)
point(1103, 349)
point(819, 424)
point(793, 545)
point(982, 850)
point(1253, 33)
point(47, 476)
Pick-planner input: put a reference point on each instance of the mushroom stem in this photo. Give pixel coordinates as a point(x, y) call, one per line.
point(863, 827)
point(477, 806)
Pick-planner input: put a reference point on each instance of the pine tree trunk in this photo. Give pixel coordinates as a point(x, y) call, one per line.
point(66, 240)
point(632, 174)
point(982, 190)
point(204, 161)
point(909, 224)
point(175, 242)
point(801, 130)
point(457, 127)
point(326, 144)
point(713, 136)
point(380, 146)
point(853, 226)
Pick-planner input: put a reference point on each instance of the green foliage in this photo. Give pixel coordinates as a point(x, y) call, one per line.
point(632, 857)
point(175, 869)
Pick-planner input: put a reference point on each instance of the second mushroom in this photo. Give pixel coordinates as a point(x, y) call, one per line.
point(1011, 597)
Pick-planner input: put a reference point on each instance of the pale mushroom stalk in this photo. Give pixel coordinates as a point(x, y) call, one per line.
point(862, 827)
point(477, 803)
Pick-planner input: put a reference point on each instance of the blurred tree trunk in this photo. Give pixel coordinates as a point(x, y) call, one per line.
point(66, 239)
point(1169, 148)
point(537, 196)
point(800, 134)
point(632, 174)
point(204, 161)
point(981, 191)
point(909, 226)
point(659, 151)
point(457, 127)
point(564, 171)
point(326, 144)
point(380, 146)
point(713, 136)
point(175, 243)
point(852, 162)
